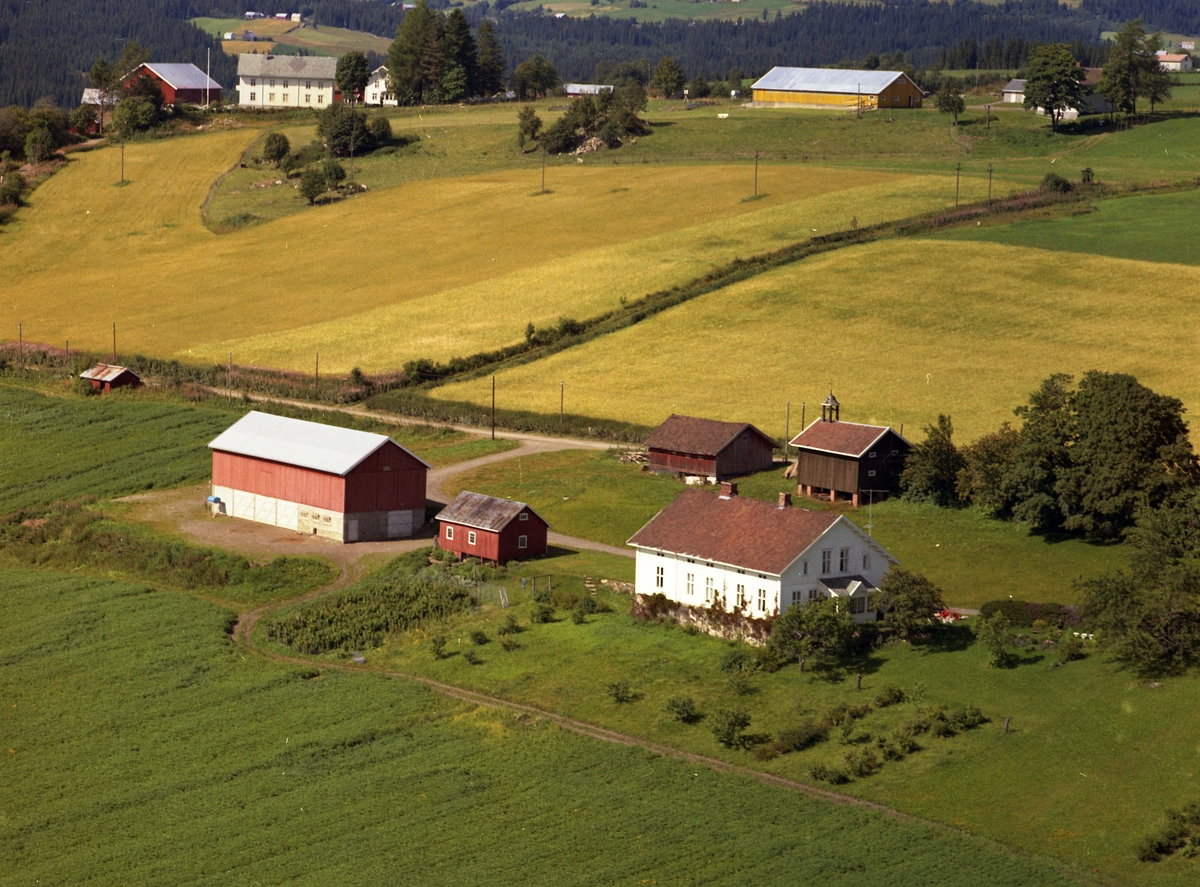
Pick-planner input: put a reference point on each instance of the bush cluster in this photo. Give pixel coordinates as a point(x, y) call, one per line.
point(1181, 832)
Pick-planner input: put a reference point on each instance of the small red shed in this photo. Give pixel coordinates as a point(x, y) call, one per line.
point(106, 377)
point(320, 480)
point(181, 84)
point(685, 445)
point(491, 529)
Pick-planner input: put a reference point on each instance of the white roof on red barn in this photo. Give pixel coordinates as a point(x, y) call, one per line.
point(312, 445)
point(179, 75)
point(105, 372)
point(828, 80)
point(844, 438)
point(483, 512)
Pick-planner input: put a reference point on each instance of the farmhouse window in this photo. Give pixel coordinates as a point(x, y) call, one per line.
point(449, 532)
point(826, 560)
point(895, 452)
point(251, 96)
point(471, 537)
point(253, 81)
point(844, 560)
point(658, 577)
point(866, 561)
point(320, 99)
point(814, 594)
point(270, 97)
point(307, 98)
point(308, 84)
point(871, 455)
point(524, 516)
point(285, 96)
point(709, 590)
point(796, 596)
point(691, 584)
point(522, 542)
point(871, 473)
point(272, 84)
point(742, 600)
point(285, 83)
point(804, 568)
point(858, 605)
point(762, 600)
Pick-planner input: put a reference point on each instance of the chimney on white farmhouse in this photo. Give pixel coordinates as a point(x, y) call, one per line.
point(728, 490)
point(785, 500)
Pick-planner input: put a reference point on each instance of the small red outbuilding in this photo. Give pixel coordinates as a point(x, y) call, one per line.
point(181, 84)
point(686, 445)
point(106, 377)
point(491, 529)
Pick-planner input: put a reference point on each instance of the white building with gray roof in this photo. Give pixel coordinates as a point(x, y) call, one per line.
point(286, 81)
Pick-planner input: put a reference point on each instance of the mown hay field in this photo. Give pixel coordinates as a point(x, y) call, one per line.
point(902, 330)
point(432, 269)
point(141, 747)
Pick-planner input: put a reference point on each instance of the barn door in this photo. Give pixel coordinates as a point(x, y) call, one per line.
point(352, 530)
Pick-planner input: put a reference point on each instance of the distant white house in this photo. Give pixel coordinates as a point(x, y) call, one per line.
point(756, 558)
point(1091, 101)
point(1174, 61)
point(286, 81)
point(376, 92)
point(575, 90)
point(1014, 91)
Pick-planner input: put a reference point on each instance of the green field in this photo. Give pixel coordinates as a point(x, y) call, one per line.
point(56, 448)
point(140, 746)
point(322, 40)
point(1154, 228)
point(974, 558)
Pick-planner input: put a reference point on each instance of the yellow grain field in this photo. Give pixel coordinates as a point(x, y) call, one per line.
point(429, 269)
point(901, 330)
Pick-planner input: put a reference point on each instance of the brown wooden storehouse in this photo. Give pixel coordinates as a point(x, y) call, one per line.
point(686, 445)
point(105, 377)
point(859, 462)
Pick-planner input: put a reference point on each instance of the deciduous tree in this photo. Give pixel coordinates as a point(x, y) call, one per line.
point(1053, 81)
point(352, 75)
point(312, 184)
point(534, 77)
point(276, 147)
point(668, 77)
point(931, 471)
point(819, 631)
point(909, 601)
point(949, 100)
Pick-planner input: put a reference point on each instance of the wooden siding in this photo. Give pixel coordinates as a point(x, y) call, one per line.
point(683, 463)
point(265, 478)
point(828, 471)
point(902, 93)
point(745, 455)
point(390, 479)
point(500, 546)
point(850, 475)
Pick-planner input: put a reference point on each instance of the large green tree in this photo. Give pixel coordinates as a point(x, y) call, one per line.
point(931, 470)
point(909, 601)
point(461, 51)
point(408, 76)
point(1132, 70)
point(949, 98)
point(668, 77)
point(352, 75)
point(490, 59)
point(820, 632)
point(534, 77)
point(1053, 81)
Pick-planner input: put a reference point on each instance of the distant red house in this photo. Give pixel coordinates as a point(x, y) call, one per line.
point(105, 377)
point(491, 529)
point(685, 445)
point(181, 84)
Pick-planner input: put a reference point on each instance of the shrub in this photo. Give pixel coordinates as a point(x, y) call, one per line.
point(890, 696)
point(862, 763)
point(276, 147)
point(832, 775)
point(683, 709)
point(1055, 183)
point(380, 129)
point(510, 626)
point(438, 645)
point(728, 727)
point(996, 635)
point(579, 616)
point(1017, 612)
point(509, 643)
point(333, 173)
point(471, 657)
point(843, 712)
point(541, 614)
point(479, 637)
point(803, 735)
point(562, 600)
point(12, 189)
point(736, 659)
point(1087, 176)
point(312, 184)
point(620, 691)
point(587, 605)
point(739, 683)
point(1070, 648)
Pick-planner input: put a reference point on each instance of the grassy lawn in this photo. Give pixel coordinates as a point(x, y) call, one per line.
point(141, 747)
point(58, 448)
point(974, 558)
point(902, 330)
point(322, 40)
point(1151, 228)
point(1091, 760)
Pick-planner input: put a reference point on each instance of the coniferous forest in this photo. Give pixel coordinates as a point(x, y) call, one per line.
point(46, 48)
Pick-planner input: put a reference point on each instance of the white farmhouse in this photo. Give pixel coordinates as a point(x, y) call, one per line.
point(377, 92)
point(286, 81)
point(756, 558)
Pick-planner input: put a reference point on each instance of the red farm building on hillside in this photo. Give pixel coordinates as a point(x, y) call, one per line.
point(105, 377)
point(684, 445)
point(861, 462)
point(345, 485)
point(181, 84)
point(491, 529)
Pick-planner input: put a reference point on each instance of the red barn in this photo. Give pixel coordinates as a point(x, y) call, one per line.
point(321, 480)
point(685, 445)
point(858, 461)
point(181, 84)
point(491, 529)
point(105, 377)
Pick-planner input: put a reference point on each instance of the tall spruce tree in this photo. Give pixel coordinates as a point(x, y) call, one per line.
point(490, 59)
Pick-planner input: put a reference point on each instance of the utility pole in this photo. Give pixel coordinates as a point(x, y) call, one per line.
point(493, 406)
point(317, 378)
point(803, 410)
point(208, 80)
point(68, 358)
point(114, 341)
point(122, 160)
point(787, 430)
point(989, 185)
point(957, 176)
point(21, 342)
point(562, 393)
point(543, 170)
point(756, 173)
point(229, 377)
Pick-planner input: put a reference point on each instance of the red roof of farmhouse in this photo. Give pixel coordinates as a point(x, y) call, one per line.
point(747, 533)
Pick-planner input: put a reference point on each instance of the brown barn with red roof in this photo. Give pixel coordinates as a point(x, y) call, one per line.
point(756, 558)
point(491, 529)
point(845, 458)
point(686, 445)
point(106, 376)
